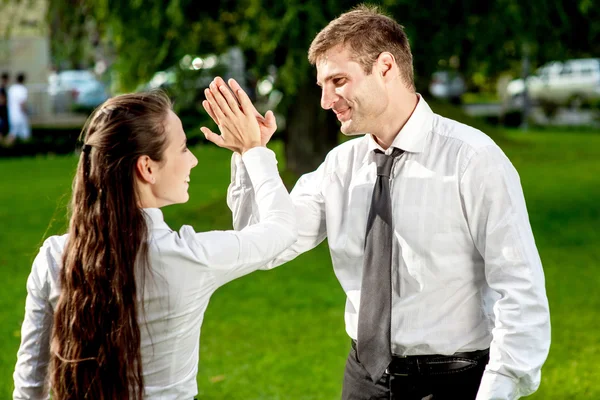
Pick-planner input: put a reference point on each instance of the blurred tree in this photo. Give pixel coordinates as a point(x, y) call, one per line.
point(70, 29)
point(483, 37)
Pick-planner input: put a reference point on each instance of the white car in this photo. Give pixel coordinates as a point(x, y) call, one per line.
point(447, 85)
point(570, 82)
point(76, 88)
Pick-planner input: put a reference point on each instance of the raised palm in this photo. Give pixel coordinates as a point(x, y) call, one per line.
point(267, 123)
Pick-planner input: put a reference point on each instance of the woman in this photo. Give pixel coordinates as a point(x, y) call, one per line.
point(114, 307)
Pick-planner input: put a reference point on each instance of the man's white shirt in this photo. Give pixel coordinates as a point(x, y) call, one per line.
point(466, 271)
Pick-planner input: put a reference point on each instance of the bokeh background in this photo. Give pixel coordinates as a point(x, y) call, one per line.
point(525, 73)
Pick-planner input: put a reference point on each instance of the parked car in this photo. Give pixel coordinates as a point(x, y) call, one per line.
point(447, 85)
point(570, 83)
point(76, 89)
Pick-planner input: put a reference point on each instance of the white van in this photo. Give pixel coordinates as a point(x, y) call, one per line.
point(570, 83)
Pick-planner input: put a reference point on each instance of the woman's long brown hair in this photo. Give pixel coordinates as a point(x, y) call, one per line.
point(95, 348)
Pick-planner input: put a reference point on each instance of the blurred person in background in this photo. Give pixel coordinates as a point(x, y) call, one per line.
point(114, 308)
point(427, 228)
point(4, 105)
point(17, 111)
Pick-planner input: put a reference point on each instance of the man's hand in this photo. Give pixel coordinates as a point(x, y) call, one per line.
point(236, 120)
point(267, 124)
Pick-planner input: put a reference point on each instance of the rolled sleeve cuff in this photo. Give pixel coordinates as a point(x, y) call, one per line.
point(260, 164)
point(239, 174)
point(496, 386)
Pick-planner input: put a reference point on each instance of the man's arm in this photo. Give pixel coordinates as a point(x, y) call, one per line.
point(497, 216)
point(308, 202)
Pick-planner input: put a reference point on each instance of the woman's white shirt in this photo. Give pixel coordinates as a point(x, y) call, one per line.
point(186, 267)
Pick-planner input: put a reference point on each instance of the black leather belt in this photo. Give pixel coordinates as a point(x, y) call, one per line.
point(435, 364)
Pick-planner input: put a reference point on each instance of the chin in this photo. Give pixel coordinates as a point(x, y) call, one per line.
point(349, 129)
point(180, 200)
point(183, 199)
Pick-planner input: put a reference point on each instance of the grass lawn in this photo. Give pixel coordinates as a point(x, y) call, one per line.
point(280, 334)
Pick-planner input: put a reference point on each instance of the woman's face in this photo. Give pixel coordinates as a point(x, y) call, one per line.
point(173, 174)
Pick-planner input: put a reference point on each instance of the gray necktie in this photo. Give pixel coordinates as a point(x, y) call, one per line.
point(375, 313)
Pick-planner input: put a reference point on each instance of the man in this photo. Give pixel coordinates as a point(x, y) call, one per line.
point(17, 110)
point(4, 105)
point(427, 228)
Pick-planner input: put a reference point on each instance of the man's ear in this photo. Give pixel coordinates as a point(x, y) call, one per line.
point(385, 64)
point(145, 168)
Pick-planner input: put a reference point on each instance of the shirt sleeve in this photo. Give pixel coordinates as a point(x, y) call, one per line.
point(497, 216)
point(308, 203)
point(30, 376)
point(17, 94)
point(231, 254)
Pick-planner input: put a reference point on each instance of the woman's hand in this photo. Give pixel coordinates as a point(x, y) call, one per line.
point(266, 124)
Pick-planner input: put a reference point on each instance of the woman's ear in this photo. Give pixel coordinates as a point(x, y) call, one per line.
point(145, 167)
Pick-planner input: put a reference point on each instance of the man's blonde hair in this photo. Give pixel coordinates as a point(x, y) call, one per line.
point(367, 33)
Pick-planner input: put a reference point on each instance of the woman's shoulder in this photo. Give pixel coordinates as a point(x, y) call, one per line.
point(50, 254)
point(54, 244)
point(46, 266)
point(183, 243)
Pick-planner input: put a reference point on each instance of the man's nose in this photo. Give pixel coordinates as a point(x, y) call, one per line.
point(328, 98)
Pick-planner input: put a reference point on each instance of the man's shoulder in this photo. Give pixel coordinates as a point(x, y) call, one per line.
point(341, 159)
point(348, 149)
point(464, 134)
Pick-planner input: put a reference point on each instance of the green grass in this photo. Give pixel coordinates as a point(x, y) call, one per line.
point(280, 334)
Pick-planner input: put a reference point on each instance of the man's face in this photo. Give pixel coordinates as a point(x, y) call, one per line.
point(357, 99)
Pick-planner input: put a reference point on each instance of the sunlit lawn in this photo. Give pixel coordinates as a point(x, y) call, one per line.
point(280, 334)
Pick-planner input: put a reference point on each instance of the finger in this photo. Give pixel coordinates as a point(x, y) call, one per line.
point(270, 121)
point(214, 106)
point(209, 110)
point(234, 85)
point(259, 118)
point(233, 102)
point(220, 100)
point(212, 137)
point(237, 89)
point(219, 81)
point(245, 101)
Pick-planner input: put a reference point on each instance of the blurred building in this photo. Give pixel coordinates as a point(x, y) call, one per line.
point(24, 40)
point(25, 47)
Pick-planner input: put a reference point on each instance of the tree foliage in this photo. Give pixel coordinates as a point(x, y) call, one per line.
point(478, 36)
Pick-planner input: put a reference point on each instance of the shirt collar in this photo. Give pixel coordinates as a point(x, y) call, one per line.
point(155, 218)
point(413, 135)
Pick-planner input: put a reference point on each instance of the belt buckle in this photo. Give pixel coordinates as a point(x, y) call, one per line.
point(391, 373)
point(388, 372)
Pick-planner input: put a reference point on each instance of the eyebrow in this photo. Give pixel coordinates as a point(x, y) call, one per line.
point(184, 142)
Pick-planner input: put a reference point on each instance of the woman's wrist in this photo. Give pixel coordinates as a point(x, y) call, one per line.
point(251, 146)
